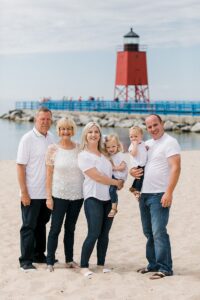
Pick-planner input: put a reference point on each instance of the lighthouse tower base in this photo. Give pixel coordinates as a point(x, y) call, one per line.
point(134, 93)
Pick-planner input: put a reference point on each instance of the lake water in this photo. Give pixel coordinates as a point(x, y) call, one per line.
point(11, 133)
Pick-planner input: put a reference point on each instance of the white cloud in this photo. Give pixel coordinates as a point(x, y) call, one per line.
point(35, 26)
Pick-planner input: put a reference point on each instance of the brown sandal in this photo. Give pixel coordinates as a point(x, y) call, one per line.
point(157, 275)
point(145, 270)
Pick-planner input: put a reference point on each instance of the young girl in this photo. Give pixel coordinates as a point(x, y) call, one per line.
point(113, 149)
point(138, 152)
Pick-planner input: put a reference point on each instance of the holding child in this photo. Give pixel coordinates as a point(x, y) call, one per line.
point(114, 148)
point(138, 159)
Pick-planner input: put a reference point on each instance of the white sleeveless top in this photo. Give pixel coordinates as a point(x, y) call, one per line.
point(67, 180)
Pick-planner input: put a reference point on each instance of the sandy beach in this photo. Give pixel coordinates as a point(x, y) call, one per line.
point(126, 251)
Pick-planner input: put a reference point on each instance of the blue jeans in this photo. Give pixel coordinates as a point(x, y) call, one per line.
point(137, 183)
point(71, 210)
point(113, 193)
point(33, 231)
point(99, 225)
point(154, 222)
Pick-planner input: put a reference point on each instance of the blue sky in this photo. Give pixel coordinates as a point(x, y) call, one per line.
point(68, 48)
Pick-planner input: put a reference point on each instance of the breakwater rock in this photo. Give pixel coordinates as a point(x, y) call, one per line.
point(171, 123)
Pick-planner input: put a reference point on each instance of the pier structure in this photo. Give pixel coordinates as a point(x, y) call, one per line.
point(179, 108)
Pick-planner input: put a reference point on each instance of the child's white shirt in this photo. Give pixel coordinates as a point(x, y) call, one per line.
point(117, 159)
point(141, 157)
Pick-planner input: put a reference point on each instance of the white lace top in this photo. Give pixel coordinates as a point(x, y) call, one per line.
point(67, 180)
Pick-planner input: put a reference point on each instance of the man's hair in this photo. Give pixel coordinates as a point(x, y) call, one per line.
point(43, 109)
point(157, 116)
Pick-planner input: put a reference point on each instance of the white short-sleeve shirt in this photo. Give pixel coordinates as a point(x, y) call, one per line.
point(91, 188)
point(117, 159)
point(31, 152)
point(141, 157)
point(156, 175)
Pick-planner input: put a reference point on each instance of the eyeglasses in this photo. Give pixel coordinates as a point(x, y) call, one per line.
point(66, 128)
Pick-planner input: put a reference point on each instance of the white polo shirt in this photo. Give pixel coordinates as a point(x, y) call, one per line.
point(31, 152)
point(91, 188)
point(156, 175)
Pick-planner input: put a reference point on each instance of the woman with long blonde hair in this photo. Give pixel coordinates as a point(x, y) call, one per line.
point(97, 171)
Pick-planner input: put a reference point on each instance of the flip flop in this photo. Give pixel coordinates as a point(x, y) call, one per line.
point(105, 270)
point(72, 265)
point(157, 275)
point(50, 268)
point(88, 274)
point(143, 270)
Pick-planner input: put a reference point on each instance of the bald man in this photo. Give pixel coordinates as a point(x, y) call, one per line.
point(160, 178)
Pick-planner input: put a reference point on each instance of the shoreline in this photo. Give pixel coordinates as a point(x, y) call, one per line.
point(126, 252)
point(182, 124)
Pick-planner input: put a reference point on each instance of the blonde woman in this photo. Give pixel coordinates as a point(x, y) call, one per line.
point(64, 191)
point(97, 171)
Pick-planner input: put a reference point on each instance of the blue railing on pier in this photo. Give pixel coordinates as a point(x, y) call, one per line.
point(159, 107)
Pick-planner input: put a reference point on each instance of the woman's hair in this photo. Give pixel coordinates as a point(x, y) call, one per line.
point(87, 127)
point(65, 123)
point(137, 129)
point(114, 137)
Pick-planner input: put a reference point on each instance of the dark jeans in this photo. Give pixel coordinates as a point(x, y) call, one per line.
point(99, 225)
point(33, 230)
point(154, 222)
point(113, 193)
point(137, 183)
point(71, 210)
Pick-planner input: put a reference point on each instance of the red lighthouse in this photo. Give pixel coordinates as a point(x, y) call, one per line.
point(131, 83)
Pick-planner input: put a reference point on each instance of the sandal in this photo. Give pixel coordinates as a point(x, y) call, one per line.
point(72, 265)
point(50, 268)
point(157, 275)
point(87, 273)
point(143, 270)
point(112, 213)
point(106, 270)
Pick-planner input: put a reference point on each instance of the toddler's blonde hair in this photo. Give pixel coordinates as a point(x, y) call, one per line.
point(137, 129)
point(115, 137)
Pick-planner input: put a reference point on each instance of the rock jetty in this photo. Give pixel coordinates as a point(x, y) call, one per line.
point(171, 123)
